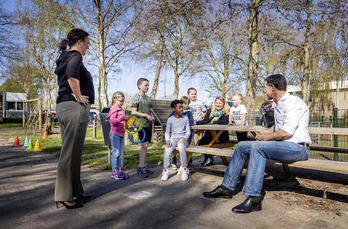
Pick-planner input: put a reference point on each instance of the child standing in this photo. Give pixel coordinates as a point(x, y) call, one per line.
point(117, 118)
point(238, 115)
point(177, 134)
point(188, 113)
point(141, 105)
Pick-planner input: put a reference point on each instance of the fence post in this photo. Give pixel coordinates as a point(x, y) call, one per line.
point(335, 122)
point(94, 128)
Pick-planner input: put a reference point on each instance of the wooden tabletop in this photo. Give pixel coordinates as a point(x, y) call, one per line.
point(312, 130)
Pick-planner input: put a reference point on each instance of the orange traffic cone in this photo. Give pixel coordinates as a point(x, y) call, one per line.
point(37, 146)
point(44, 137)
point(30, 144)
point(16, 142)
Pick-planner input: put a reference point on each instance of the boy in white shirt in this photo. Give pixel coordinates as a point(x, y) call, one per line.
point(177, 133)
point(237, 115)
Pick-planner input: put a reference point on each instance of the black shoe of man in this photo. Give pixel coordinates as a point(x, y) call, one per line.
point(219, 192)
point(252, 203)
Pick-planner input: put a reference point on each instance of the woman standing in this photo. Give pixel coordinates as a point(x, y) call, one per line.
point(218, 114)
point(75, 95)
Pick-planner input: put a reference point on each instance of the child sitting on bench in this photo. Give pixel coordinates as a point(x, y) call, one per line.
point(177, 134)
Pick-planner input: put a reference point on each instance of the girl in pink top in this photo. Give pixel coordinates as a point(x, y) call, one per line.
point(117, 118)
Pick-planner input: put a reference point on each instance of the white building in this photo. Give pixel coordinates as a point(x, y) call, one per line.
point(13, 104)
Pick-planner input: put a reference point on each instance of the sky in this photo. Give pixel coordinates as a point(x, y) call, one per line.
point(130, 71)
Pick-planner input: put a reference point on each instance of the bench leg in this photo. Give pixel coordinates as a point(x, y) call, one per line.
point(224, 160)
point(286, 168)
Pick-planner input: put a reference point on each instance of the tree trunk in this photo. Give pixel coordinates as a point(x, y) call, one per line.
point(306, 48)
point(176, 86)
point(102, 89)
point(159, 60)
point(253, 62)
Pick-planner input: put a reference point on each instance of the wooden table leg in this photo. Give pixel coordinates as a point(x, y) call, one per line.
point(286, 168)
point(224, 160)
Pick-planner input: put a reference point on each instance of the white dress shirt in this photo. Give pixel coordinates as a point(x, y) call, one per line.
point(291, 115)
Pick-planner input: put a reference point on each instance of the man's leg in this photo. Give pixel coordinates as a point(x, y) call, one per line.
point(260, 152)
point(275, 150)
point(233, 172)
point(236, 165)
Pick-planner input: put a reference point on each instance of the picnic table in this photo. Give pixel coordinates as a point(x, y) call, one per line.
point(224, 149)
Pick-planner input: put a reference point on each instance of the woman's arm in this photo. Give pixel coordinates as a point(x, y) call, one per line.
point(75, 87)
point(205, 120)
point(223, 120)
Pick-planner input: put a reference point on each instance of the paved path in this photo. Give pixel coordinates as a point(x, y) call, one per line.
point(27, 187)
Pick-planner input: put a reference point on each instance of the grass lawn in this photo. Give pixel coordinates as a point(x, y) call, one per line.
point(94, 153)
point(10, 125)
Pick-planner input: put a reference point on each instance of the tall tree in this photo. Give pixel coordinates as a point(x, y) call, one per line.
point(110, 24)
point(253, 63)
point(8, 46)
point(44, 29)
point(224, 55)
point(182, 42)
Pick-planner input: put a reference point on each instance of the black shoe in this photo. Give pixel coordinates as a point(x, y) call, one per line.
point(209, 162)
point(219, 192)
point(83, 197)
point(251, 204)
point(148, 171)
point(73, 205)
point(141, 173)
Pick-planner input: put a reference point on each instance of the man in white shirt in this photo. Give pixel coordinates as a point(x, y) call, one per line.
point(287, 140)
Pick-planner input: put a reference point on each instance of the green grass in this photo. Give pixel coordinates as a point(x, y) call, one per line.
point(95, 152)
point(10, 125)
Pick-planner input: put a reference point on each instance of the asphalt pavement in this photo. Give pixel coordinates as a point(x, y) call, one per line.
point(310, 198)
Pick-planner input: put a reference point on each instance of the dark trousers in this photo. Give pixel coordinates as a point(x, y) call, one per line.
point(73, 120)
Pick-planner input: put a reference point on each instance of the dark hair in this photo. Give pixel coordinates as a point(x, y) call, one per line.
point(141, 80)
point(191, 89)
point(174, 102)
point(73, 36)
point(278, 81)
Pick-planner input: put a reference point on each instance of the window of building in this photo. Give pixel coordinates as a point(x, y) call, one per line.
point(10, 105)
point(20, 106)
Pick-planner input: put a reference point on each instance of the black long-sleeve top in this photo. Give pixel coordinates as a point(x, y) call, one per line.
point(223, 120)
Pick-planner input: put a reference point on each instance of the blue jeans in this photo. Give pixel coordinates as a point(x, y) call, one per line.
point(258, 152)
point(117, 150)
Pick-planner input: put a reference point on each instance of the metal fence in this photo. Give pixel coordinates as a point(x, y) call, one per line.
point(321, 118)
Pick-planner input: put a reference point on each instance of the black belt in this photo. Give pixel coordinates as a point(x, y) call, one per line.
point(303, 143)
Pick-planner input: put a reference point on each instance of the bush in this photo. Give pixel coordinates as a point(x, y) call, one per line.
point(12, 120)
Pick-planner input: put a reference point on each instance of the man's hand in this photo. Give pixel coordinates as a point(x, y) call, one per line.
point(260, 136)
point(168, 144)
point(184, 141)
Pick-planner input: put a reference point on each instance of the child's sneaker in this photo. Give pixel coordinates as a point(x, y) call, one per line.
point(165, 174)
point(184, 175)
point(116, 175)
point(124, 175)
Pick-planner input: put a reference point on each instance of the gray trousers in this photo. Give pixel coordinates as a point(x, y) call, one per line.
point(73, 120)
point(168, 153)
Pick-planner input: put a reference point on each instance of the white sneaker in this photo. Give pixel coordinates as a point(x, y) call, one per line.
point(184, 175)
point(165, 174)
